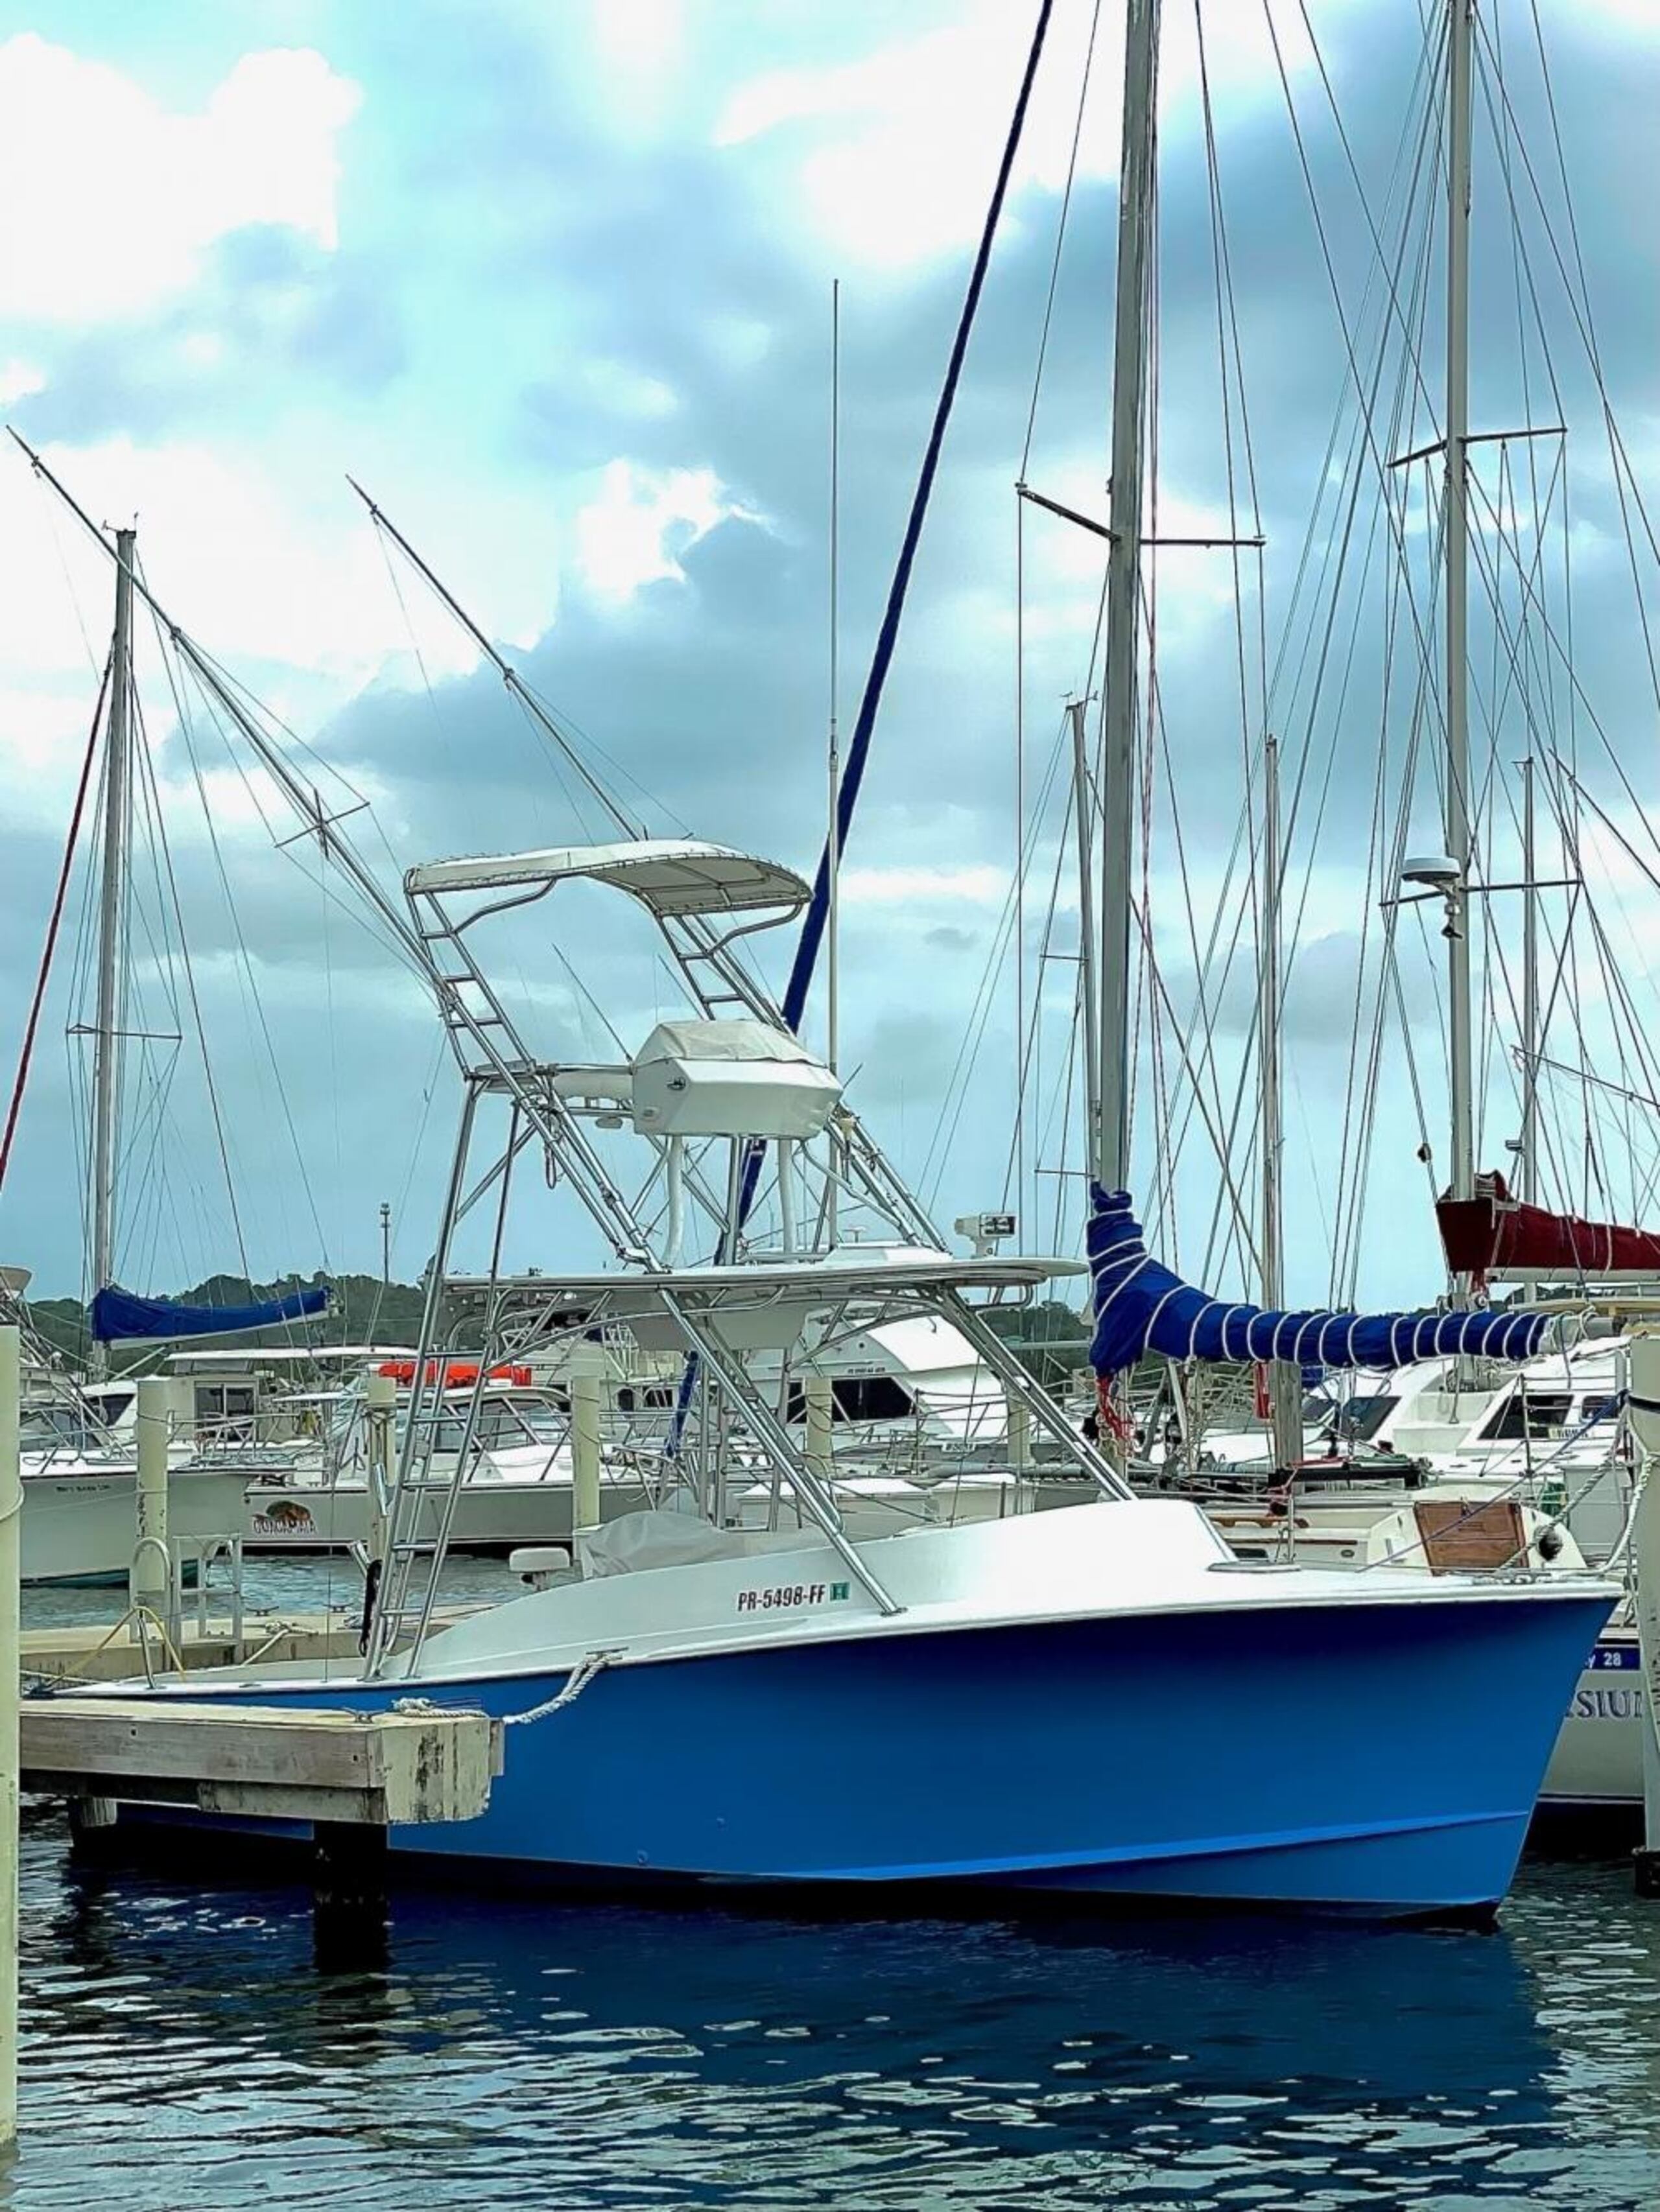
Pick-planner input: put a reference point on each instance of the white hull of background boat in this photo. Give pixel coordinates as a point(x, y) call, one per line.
point(491, 1515)
point(80, 1518)
point(1598, 1763)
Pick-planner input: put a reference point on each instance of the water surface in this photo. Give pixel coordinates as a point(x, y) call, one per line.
point(183, 2049)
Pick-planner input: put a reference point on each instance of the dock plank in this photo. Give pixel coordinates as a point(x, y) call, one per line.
point(277, 1762)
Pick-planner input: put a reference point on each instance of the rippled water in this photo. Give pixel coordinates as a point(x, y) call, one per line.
point(183, 2049)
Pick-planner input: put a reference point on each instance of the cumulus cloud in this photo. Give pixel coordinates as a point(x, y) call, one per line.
point(556, 292)
point(124, 196)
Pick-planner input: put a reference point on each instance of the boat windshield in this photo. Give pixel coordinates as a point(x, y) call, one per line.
point(1352, 1420)
point(1525, 1414)
point(45, 1426)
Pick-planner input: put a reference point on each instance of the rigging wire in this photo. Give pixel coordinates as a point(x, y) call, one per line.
point(54, 920)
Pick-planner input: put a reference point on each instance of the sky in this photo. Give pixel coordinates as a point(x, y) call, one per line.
point(553, 283)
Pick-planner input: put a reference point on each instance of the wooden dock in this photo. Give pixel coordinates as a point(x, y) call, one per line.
point(276, 1763)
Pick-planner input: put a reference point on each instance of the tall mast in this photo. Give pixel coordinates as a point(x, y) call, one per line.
point(1460, 22)
point(1083, 807)
point(1131, 337)
point(108, 1024)
point(1285, 1391)
point(1528, 1180)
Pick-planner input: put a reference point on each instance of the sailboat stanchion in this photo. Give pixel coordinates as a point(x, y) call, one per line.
point(1645, 1402)
point(151, 1583)
point(11, 1522)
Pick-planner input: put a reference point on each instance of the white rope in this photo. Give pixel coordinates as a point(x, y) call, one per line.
point(584, 1671)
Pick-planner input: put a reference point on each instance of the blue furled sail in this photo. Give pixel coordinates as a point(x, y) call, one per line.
point(118, 1316)
point(1141, 1307)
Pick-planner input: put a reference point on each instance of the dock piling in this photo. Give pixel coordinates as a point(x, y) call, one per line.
point(151, 1581)
point(585, 1431)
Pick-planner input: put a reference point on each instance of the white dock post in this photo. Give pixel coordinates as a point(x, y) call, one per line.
point(11, 1524)
point(379, 1416)
point(585, 1380)
point(1644, 1394)
point(151, 1579)
point(1019, 1433)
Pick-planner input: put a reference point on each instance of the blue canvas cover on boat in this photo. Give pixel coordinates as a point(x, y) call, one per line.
point(118, 1316)
point(1141, 1307)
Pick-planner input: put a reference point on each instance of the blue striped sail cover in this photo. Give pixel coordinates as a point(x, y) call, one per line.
point(118, 1315)
point(1141, 1307)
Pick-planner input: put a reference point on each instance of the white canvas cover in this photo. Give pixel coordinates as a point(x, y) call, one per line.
point(670, 875)
point(729, 1078)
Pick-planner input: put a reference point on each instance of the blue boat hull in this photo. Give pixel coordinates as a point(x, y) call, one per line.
point(1382, 1760)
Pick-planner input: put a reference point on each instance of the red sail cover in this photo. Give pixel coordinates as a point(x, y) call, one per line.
point(1493, 1233)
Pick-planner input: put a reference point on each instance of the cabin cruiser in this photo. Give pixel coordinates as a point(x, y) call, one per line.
point(80, 1486)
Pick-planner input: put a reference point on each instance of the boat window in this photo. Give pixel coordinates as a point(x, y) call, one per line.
point(1531, 1413)
point(225, 1410)
point(45, 1425)
point(859, 1398)
point(1355, 1420)
point(1600, 1409)
point(870, 1398)
point(657, 1396)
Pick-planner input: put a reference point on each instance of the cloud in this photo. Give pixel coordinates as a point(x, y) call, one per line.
point(124, 199)
point(557, 294)
point(641, 522)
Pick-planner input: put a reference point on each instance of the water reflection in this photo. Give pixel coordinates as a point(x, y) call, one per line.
point(182, 2050)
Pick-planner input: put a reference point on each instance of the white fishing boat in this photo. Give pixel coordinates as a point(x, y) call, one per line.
point(679, 1642)
point(1109, 1665)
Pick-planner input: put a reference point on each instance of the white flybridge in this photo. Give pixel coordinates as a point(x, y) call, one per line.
point(738, 1116)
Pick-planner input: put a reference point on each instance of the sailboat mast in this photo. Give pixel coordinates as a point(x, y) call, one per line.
point(1460, 23)
point(1131, 338)
point(1528, 1180)
point(1285, 1391)
point(1083, 809)
point(111, 935)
